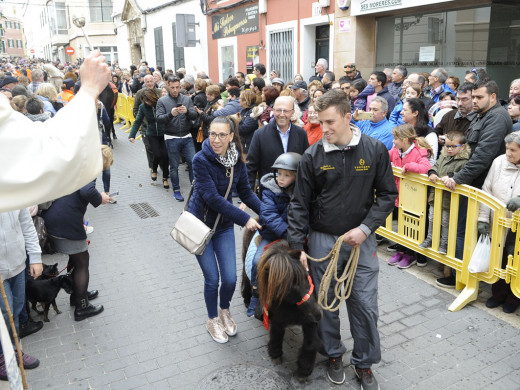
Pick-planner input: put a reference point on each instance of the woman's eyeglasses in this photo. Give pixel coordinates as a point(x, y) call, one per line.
point(222, 136)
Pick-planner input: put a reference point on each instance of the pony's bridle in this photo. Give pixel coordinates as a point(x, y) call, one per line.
point(305, 298)
point(308, 295)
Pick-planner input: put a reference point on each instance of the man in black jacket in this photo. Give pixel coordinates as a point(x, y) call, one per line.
point(175, 112)
point(275, 138)
point(345, 186)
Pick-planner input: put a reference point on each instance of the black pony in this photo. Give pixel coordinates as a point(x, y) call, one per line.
point(286, 291)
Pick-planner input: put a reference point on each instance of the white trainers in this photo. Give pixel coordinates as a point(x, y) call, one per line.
point(229, 324)
point(89, 229)
point(216, 330)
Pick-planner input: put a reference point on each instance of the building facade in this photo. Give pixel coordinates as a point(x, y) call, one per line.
point(11, 37)
point(147, 30)
point(285, 35)
point(426, 34)
point(50, 29)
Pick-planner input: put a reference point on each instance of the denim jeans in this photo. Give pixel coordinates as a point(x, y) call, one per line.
point(15, 292)
point(177, 147)
point(106, 180)
point(256, 259)
point(219, 257)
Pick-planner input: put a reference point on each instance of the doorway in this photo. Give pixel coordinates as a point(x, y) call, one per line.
point(322, 42)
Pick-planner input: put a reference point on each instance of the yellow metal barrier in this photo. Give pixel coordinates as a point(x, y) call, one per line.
point(119, 112)
point(129, 109)
point(411, 229)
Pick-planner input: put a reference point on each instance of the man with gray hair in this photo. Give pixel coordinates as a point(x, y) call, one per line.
point(321, 67)
point(396, 86)
point(189, 83)
point(277, 137)
point(437, 81)
point(37, 79)
point(328, 78)
point(378, 126)
point(303, 100)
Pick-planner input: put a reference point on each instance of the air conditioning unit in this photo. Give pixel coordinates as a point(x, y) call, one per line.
point(324, 3)
point(262, 6)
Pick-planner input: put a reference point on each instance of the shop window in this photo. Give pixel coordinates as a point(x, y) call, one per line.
point(281, 53)
point(159, 49)
point(178, 52)
point(454, 40)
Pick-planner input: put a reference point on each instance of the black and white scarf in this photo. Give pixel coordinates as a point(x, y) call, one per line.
point(231, 157)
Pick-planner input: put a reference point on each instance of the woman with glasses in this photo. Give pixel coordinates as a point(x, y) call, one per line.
point(219, 161)
point(313, 127)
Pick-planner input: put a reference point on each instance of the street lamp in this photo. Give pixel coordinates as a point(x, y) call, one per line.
point(80, 22)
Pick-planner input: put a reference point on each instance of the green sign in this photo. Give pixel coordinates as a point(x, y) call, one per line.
point(236, 22)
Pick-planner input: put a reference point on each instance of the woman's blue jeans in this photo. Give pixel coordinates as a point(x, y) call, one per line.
point(15, 292)
point(219, 262)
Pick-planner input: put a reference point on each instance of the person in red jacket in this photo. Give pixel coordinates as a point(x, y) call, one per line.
point(313, 127)
point(410, 153)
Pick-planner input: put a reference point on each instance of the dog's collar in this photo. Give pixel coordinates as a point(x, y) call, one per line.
point(308, 295)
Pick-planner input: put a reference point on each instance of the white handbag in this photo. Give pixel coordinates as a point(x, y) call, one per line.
point(192, 233)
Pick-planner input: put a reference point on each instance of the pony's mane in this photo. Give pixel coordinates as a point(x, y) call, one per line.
point(279, 269)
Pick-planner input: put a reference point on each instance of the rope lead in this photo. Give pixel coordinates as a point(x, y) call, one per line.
point(344, 283)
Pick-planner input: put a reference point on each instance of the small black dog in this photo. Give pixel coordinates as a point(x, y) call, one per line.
point(45, 292)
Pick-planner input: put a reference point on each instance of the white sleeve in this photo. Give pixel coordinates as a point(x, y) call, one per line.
point(42, 161)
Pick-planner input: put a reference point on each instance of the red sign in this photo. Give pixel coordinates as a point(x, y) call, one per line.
point(32, 51)
point(69, 50)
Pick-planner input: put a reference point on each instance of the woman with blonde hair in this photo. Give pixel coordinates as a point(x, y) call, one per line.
point(18, 103)
point(158, 79)
point(46, 92)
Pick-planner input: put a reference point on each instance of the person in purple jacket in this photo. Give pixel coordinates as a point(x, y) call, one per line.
point(221, 152)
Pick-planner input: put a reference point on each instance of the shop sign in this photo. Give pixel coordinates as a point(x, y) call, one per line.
point(362, 7)
point(344, 25)
point(252, 57)
point(236, 22)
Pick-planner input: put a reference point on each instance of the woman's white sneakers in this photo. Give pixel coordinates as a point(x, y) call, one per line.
point(229, 324)
point(216, 330)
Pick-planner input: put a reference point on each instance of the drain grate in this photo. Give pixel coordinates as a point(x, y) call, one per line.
point(144, 210)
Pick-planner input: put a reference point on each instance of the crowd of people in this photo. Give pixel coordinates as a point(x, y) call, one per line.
point(290, 150)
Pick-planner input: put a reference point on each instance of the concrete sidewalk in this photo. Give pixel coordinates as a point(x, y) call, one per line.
point(152, 333)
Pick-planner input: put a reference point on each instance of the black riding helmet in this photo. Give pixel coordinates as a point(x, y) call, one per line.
point(288, 161)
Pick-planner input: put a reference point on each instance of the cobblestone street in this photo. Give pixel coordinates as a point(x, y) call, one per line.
point(152, 332)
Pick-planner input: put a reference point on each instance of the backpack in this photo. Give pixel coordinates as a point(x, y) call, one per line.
point(41, 230)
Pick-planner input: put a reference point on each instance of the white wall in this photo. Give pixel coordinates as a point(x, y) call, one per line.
point(37, 37)
point(196, 58)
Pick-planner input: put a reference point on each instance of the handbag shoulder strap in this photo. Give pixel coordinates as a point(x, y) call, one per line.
point(225, 196)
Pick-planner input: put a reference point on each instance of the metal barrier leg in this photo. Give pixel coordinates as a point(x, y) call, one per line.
point(469, 294)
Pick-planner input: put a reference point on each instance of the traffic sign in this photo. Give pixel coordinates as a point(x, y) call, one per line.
point(69, 50)
point(32, 51)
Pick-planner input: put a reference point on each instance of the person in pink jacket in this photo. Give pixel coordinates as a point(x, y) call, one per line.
point(410, 153)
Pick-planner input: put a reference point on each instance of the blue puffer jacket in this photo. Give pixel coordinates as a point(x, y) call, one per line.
point(211, 184)
point(65, 216)
point(395, 117)
point(273, 212)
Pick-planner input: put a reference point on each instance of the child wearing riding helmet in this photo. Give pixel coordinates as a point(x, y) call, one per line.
point(278, 188)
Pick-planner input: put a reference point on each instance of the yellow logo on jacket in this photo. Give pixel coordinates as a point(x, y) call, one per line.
point(327, 167)
point(362, 167)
